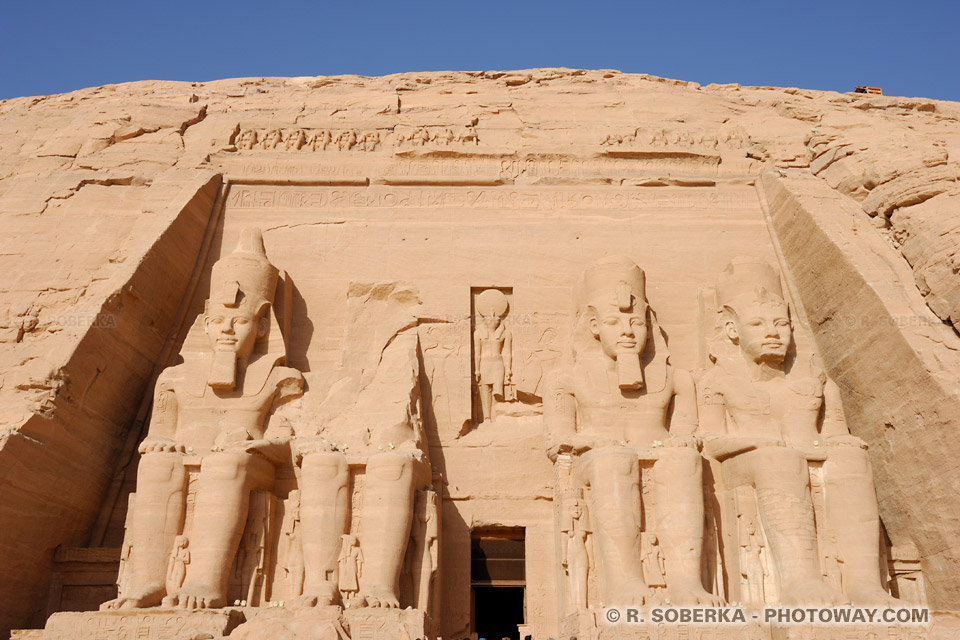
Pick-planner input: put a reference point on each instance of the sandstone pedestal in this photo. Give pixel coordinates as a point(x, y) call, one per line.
point(388, 624)
point(154, 624)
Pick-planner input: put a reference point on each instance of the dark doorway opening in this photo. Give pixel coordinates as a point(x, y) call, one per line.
point(498, 611)
point(497, 580)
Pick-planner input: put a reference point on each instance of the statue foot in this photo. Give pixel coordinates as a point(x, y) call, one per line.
point(871, 597)
point(378, 596)
point(323, 595)
point(149, 597)
point(811, 592)
point(689, 595)
point(637, 591)
point(194, 598)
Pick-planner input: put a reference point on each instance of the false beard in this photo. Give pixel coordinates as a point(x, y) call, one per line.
point(629, 371)
point(223, 371)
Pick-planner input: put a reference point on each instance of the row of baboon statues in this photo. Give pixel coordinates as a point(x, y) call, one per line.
point(351, 139)
point(615, 405)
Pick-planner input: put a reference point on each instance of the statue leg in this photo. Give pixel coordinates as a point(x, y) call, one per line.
point(782, 482)
point(385, 528)
point(613, 476)
point(220, 513)
point(852, 515)
point(678, 490)
point(486, 401)
point(156, 521)
point(324, 515)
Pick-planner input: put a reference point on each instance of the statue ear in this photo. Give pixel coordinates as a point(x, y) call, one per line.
point(730, 325)
point(263, 322)
point(594, 326)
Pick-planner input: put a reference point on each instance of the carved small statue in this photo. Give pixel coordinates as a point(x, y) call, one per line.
point(609, 407)
point(291, 552)
point(764, 420)
point(493, 351)
point(577, 562)
point(211, 412)
point(654, 570)
point(179, 559)
point(350, 564)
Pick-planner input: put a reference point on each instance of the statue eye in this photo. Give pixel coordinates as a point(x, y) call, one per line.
point(783, 322)
point(637, 322)
point(611, 320)
point(215, 320)
point(240, 321)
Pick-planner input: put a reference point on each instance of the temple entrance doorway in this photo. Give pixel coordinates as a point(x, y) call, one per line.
point(497, 583)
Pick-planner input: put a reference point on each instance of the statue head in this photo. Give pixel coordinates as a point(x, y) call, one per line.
point(611, 299)
point(753, 313)
point(491, 305)
point(237, 314)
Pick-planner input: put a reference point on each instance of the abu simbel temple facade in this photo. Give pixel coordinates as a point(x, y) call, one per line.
point(539, 354)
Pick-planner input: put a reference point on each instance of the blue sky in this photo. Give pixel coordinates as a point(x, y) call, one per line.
point(906, 48)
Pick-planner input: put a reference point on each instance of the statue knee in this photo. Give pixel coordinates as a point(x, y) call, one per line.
point(683, 460)
point(780, 467)
point(847, 461)
point(160, 469)
point(324, 466)
point(225, 466)
point(389, 467)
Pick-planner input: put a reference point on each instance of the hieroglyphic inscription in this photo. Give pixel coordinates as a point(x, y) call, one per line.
point(378, 197)
point(504, 168)
point(155, 624)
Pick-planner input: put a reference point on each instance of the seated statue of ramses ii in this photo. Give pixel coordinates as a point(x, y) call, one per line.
point(210, 412)
point(609, 408)
point(765, 420)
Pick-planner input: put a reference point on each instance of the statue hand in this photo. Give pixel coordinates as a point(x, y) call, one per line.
point(157, 444)
point(846, 440)
point(574, 443)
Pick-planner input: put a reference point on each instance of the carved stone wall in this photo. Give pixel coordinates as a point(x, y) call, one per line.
point(389, 205)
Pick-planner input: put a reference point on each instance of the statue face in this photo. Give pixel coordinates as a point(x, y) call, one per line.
point(233, 330)
point(763, 332)
point(619, 332)
point(491, 322)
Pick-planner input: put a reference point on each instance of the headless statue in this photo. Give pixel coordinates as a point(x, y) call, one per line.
point(609, 407)
point(210, 412)
point(764, 422)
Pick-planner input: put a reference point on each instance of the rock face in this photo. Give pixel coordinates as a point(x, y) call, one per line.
point(452, 397)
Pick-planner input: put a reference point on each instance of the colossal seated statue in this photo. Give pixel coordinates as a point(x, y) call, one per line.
point(767, 419)
point(608, 409)
point(210, 414)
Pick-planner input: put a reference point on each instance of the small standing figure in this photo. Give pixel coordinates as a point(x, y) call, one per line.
point(651, 559)
point(177, 567)
point(577, 563)
point(492, 350)
point(751, 563)
point(350, 564)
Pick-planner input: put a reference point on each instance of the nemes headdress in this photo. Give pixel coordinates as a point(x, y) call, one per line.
point(245, 277)
point(616, 280)
point(748, 281)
